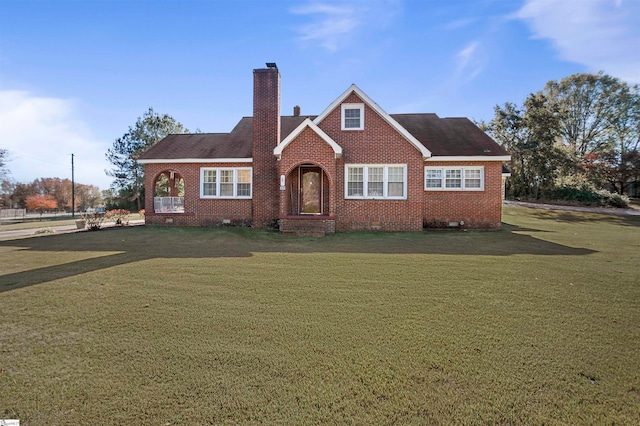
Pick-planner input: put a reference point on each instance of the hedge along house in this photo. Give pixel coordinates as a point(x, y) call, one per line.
point(353, 167)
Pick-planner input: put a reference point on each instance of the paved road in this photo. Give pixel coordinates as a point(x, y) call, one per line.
point(56, 230)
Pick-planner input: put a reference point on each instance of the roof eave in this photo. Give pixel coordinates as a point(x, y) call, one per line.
point(470, 158)
point(194, 160)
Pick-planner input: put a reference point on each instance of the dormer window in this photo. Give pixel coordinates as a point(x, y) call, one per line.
point(352, 116)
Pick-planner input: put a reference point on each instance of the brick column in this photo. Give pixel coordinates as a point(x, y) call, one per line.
point(266, 135)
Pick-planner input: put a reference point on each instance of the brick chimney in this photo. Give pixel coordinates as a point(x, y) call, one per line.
point(266, 135)
point(296, 111)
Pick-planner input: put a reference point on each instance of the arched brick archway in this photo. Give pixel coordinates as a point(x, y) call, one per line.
point(307, 190)
point(168, 192)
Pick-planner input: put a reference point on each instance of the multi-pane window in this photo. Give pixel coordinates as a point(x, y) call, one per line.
point(225, 183)
point(376, 181)
point(395, 181)
point(472, 179)
point(244, 183)
point(352, 116)
point(209, 187)
point(355, 181)
point(433, 178)
point(454, 178)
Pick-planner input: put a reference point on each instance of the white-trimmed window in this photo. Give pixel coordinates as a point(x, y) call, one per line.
point(454, 178)
point(352, 116)
point(225, 182)
point(376, 181)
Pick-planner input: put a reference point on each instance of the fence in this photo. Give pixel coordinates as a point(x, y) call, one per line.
point(168, 204)
point(12, 213)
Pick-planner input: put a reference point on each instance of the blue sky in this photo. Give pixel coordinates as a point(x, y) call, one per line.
point(75, 74)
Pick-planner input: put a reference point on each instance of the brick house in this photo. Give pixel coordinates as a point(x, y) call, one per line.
point(353, 167)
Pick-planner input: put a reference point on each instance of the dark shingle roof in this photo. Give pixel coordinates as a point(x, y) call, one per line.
point(449, 136)
point(236, 144)
point(441, 136)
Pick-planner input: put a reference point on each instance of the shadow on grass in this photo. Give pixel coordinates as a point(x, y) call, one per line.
point(128, 245)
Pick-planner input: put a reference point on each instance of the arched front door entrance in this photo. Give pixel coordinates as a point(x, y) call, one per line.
point(310, 189)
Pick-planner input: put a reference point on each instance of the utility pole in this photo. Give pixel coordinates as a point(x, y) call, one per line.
point(73, 191)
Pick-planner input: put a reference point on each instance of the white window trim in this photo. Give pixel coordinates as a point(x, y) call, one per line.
point(365, 177)
point(463, 178)
point(352, 106)
point(235, 182)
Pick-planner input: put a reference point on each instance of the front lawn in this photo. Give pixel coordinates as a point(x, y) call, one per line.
point(536, 324)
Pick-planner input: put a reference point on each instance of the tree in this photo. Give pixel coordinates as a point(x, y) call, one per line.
point(87, 196)
point(6, 187)
point(21, 192)
point(128, 173)
point(598, 110)
point(4, 158)
point(623, 158)
point(41, 203)
point(584, 127)
point(530, 135)
point(56, 188)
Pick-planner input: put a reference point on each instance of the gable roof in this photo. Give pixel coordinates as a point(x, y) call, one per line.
point(444, 139)
point(337, 149)
point(366, 99)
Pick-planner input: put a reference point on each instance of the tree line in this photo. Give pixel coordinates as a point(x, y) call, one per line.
point(577, 137)
point(53, 194)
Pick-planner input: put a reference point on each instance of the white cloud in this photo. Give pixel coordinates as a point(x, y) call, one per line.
point(459, 23)
point(332, 24)
point(600, 34)
point(469, 61)
point(42, 133)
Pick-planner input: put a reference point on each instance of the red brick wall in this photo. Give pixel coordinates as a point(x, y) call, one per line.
point(266, 135)
point(307, 148)
point(478, 209)
point(378, 143)
point(198, 212)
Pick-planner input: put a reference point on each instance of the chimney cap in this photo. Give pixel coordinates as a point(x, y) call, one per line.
point(272, 65)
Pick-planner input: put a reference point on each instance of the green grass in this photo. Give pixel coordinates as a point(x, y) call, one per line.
point(535, 324)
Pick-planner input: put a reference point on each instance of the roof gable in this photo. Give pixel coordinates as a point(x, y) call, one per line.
point(367, 100)
point(337, 149)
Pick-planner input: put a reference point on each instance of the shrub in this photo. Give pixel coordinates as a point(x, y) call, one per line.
point(584, 194)
point(617, 200)
point(93, 220)
point(119, 216)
